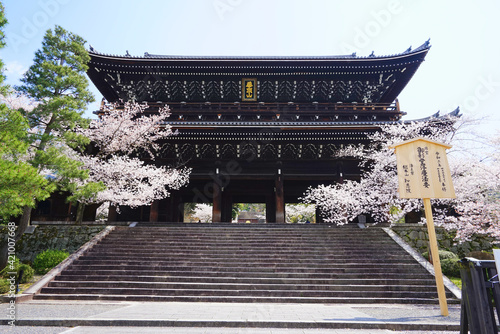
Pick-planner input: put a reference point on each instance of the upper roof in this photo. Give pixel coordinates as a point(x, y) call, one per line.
point(153, 78)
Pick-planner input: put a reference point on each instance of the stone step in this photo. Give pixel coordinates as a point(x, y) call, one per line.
point(245, 264)
point(244, 268)
point(268, 250)
point(243, 243)
point(327, 275)
point(68, 276)
point(241, 299)
point(231, 263)
point(239, 293)
point(320, 260)
point(250, 268)
point(240, 286)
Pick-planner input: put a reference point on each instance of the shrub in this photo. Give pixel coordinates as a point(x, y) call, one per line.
point(451, 267)
point(442, 255)
point(28, 272)
point(4, 285)
point(48, 259)
point(449, 263)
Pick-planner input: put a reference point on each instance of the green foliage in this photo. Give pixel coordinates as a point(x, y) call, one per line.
point(457, 281)
point(449, 263)
point(4, 286)
point(28, 271)
point(57, 82)
point(48, 259)
point(443, 254)
point(451, 267)
point(20, 183)
point(3, 22)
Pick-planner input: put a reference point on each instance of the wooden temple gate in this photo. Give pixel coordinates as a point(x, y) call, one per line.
point(257, 129)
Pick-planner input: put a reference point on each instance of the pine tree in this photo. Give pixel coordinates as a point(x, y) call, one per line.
point(57, 82)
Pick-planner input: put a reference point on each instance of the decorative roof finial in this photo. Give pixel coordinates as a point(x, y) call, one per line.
point(127, 54)
point(372, 54)
point(408, 50)
point(91, 48)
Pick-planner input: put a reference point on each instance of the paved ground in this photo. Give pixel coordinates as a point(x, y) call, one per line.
point(178, 317)
point(175, 330)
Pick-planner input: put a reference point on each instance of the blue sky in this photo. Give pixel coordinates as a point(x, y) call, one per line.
point(461, 69)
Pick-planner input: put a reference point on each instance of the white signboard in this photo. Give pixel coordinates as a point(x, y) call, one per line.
point(496, 254)
point(423, 170)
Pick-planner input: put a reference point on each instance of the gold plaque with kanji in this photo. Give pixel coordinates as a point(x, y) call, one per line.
point(249, 89)
point(423, 170)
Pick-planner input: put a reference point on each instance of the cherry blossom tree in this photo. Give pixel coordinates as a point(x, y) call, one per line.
point(300, 213)
point(203, 212)
point(121, 136)
point(476, 209)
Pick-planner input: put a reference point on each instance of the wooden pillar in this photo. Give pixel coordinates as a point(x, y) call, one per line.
point(319, 218)
point(340, 172)
point(169, 208)
point(180, 210)
point(153, 211)
point(280, 199)
point(177, 209)
point(112, 215)
point(227, 207)
point(217, 203)
point(270, 209)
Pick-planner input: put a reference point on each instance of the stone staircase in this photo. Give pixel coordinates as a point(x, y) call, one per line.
point(246, 263)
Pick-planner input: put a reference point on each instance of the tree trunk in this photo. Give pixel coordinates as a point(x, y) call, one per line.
point(79, 213)
point(4, 253)
point(23, 224)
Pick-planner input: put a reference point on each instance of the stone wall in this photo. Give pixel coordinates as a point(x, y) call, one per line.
point(416, 236)
point(62, 237)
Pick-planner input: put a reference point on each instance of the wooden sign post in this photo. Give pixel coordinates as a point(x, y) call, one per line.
point(423, 172)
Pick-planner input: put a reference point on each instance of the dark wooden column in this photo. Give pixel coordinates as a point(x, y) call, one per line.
point(153, 211)
point(340, 172)
point(112, 215)
point(177, 209)
point(169, 207)
point(174, 208)
point(217, 203)
point(227, 206)
point(280, 199)
point(319, 218)
point(271, 208)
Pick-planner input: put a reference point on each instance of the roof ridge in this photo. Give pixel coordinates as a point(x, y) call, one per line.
point(147, 55)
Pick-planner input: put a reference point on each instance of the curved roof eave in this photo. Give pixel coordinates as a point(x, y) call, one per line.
point(348, 58)
point(436, 116)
